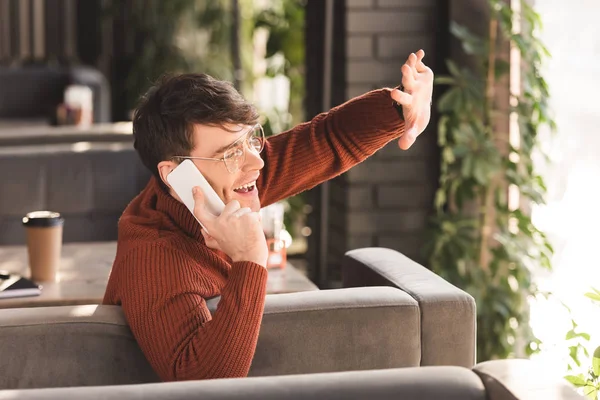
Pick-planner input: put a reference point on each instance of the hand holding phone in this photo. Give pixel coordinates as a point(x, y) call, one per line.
point(184, 178)
point(237, 231)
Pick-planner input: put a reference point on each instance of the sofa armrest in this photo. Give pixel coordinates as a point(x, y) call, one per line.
point(337, 330)
point(448, 314)
point(523, 379)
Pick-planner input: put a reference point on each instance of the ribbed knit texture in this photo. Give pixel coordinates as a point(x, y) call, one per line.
point(163, 271)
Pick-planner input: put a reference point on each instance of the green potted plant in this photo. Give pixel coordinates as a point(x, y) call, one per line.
point(588, 381)
point(479, 240)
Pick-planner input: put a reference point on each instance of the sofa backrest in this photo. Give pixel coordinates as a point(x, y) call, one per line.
point(92, 344)
point(69, 346)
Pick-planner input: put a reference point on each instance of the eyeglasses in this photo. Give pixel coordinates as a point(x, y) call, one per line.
point(235, 155)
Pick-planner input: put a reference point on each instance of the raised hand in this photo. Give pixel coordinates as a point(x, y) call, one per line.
point(417, 82)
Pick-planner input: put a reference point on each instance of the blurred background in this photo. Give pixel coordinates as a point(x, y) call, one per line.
point(292, 58)
point(497, 195)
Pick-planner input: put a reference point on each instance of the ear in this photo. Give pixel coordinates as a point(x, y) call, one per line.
point(164, 169)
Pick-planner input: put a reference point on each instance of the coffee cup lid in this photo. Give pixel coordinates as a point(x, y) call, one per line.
point(43, 219)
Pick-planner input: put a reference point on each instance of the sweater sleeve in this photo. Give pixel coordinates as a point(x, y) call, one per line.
point(163, 303)
point(328, 145)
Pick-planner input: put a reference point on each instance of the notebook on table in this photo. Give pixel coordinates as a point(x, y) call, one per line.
point(14, 285)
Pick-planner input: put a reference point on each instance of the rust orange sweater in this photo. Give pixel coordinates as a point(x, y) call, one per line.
point(163, 271)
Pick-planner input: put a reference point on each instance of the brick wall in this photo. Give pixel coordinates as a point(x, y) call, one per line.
point(385, 201)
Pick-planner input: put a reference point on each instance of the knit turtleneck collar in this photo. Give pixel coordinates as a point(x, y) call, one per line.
point(176, 210)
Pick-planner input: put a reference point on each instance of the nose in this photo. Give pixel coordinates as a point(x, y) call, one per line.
point(253, 161)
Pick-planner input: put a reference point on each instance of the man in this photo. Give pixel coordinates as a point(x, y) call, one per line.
point(166, 266)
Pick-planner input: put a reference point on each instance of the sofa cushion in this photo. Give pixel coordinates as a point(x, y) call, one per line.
point(338, 330)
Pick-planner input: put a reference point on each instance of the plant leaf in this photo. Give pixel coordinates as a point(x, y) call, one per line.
point(471, 43)
point(573, 355)
point(596, 361)
point(449, 100)
point(442, 129)
point(445, 80)
point(440, 199)
point(576, 380)
point(453, 68)
point(591, 392)
point(593, 296)
point(572, 334)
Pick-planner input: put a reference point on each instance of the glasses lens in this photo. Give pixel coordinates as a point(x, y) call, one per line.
point(236, 155)
point(257, 140)
point(234, 158)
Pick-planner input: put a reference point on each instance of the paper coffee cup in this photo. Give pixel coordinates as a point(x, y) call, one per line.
point(44, 242)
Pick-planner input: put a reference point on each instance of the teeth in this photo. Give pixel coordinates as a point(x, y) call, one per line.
point(246, 186)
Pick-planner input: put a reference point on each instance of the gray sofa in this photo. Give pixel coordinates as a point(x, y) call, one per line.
point(412, 338)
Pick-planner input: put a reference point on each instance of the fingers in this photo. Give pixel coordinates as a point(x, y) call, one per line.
point(412, 68)
point(200, 210)
point(241, 212)
point(207, 237)
point(415, 64)
point(210, 241)
point(249, 214)
point(420, 66)
point(401, 97)
point(231, 207)
point(412, 60)
point(408, 77)
point(420, 54)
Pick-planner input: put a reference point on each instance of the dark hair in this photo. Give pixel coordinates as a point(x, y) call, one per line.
point(163, 123)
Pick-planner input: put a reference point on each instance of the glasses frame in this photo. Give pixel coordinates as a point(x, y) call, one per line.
point(237, 141)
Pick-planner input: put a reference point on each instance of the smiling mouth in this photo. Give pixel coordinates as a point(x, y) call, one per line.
point(247, 188)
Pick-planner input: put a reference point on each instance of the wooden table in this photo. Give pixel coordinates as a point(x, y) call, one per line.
point(83, 275)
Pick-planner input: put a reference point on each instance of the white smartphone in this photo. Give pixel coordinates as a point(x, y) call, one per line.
point(184, 178)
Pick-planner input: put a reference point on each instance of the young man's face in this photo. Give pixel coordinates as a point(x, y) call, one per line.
point(235, 180)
